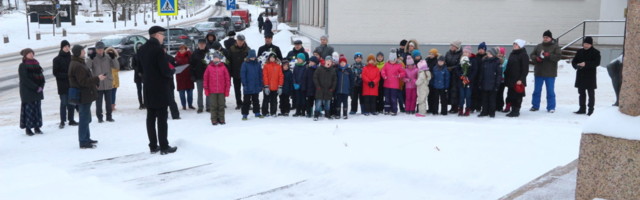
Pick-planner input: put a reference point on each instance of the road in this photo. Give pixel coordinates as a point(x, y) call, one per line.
point(9, 65)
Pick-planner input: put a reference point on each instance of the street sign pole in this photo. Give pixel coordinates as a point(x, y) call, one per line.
point(168, 8)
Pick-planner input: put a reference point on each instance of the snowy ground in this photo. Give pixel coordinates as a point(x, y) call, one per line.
point(376, 157)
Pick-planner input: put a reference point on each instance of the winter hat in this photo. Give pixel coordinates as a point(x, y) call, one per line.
point(335, 56)
point(393, 55)
point(301, 56)
point(547, 33)
point(422, 66)
point(76, 50)
point(284, 61)
point(456, 44)
point(297, 42)
point(324, 37)
point(493, 51)
point(156, 29)
point(328, 58)
point(268, 35)
point(482, 45)
point(216, 45)
point(64, 43)
point(503, 51)
point(314, 59)
point(403, 42)
point(434, 51)
point(380, 54)
point(467, 49)
point(588, 40)
point(342, 59)
point(409, 60)
point(217, 55)
point(252, 54)
point(520, 42)
point(100, 45)
point(240, 37)
point(371, 57)
point(357, 55)
point(441, 58)
point(26, 51)
point(416, 53)
point(231, 33)
point(202, 41)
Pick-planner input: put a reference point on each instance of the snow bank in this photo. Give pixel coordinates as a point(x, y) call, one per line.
point(611, 122)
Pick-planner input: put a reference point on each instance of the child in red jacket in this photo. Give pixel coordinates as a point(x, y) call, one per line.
point(216, 87)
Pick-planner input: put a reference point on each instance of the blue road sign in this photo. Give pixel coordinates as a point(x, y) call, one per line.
point(167, 7)
point(231, 4)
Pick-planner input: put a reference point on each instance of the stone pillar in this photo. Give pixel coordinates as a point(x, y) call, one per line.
point(609, 167)
point(630, 90)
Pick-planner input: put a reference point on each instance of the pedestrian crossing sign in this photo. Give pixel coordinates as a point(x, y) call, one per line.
point(167, 7)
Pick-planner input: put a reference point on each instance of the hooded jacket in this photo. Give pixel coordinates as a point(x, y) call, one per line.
point(216, 80)
point(370, 73)
point(272, 75)
point(345, 80)
point(392, 74)
point(251, 77)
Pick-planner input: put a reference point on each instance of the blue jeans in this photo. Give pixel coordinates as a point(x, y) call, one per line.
point(186, 97)
point(66, 110)
point(84, 135)
point(465, 96)
point(551, 94)
point(113, 95)
point(320, 104)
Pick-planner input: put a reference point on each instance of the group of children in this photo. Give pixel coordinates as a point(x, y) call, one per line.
point(327, 84)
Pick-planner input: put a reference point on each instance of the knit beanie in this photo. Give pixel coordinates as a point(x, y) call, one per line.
point(548, 34)
point(466, 49)
point(482, 45)
point(416, 53)
point(434, 51)
point(64, 43)
point(301, 56)
point(393, 55)
point(409, 61)
point(371, 57)
point(456, 44)
point(76, 50)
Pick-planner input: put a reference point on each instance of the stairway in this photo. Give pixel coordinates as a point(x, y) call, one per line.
point(570, 52)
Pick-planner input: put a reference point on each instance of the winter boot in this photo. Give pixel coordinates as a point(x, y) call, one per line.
point(352, 113)
point(214, 122)
point(590, 111)
point(581, 111)
point(37, 130)
point(61, 126)
point(244, 118)
point(28, 132)
point(73, 123)
point(507, 108)
point(454, 109)
point(327, 114)
point(344, 114)
point(168, 150)
point(461, 111)
point(515, 112)
point(483, 114)
point(316, 116)
point(420, 115)
point(467, 112)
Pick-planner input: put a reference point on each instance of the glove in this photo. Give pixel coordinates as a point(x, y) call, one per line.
point(112, 55)
point(296, 86)
point(538, 59)
point(280, 90)
point(39, 89)
point(546, 54)
point(266, 90)
point(372, 84)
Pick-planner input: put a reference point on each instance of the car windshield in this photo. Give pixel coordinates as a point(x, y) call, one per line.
point(205, 25)
point(216, 19)
point(111, 41)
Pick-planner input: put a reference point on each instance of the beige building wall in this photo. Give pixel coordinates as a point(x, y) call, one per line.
point(441, 21)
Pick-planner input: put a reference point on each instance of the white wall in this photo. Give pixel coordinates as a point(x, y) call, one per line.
point(442, 21)
point(612, 10)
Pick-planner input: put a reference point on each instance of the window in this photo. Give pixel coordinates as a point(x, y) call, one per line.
point(312, 12)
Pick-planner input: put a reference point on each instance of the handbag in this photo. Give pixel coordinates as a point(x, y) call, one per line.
point(74, 96)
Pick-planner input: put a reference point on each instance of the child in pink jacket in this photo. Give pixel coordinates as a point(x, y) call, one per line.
point(392, 73)
point(411, 92)
point(216, 86)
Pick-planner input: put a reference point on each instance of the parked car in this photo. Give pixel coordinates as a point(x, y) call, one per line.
point(238, 23)
point(211, 27)
point(244, 14)
point(177, 37)
point(126, 45)
point(195, 35)
point(224, 21)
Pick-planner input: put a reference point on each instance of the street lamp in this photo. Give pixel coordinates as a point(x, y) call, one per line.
point(27, 15)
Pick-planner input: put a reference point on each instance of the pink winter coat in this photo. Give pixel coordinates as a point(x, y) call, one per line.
point(412, 76)
point(392, 74)
point(216, 80)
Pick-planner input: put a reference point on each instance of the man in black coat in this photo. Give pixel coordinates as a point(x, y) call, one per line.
point(297, 48)
point(230, 40)
point(260, 22)
point(268, 26)
point(60, 71)
point(198, 66)
point(269, 46)
point(585, 62)
point(157, 87)
point(237, 54)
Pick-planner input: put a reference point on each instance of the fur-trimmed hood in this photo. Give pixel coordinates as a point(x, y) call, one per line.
point(415, 43)
point(114, 51)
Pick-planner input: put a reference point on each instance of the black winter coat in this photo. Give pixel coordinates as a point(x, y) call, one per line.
point(236, 57)
point(31, 78)
point(156, 75)
point(60, 71)
point(197, 64)
point(325, 80)
point(273, 48)
point(517, 68)
point(80, 77)
point(307, 85)
point(268, 26)
point(490, 74)
point(452, 59)
point(586, 76)
point(287, 87)
point(293, 54)
point(229, 42)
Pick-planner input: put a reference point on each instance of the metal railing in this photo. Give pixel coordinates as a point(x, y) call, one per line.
point(584, 31)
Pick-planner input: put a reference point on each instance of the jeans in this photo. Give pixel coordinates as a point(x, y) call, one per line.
point(391, 100)
point(323, 105)
point(201, 95)
point(186, 97)
point(66, 110)
point(84, 112)
point(106, 96)
point(465, 97)
point(159, 114)
point(113, 95)
point(551, 95)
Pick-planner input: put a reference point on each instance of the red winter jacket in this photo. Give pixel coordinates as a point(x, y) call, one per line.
point(272, 75)
point(216, 80)
point(183, 79)
point(392, 74)
point(370, 73)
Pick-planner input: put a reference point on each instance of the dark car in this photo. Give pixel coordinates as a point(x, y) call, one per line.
point(177, 37)
point(126, 45)
point(238, 23)
point(195, 35)
point(211, 27)
point(224, 21)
